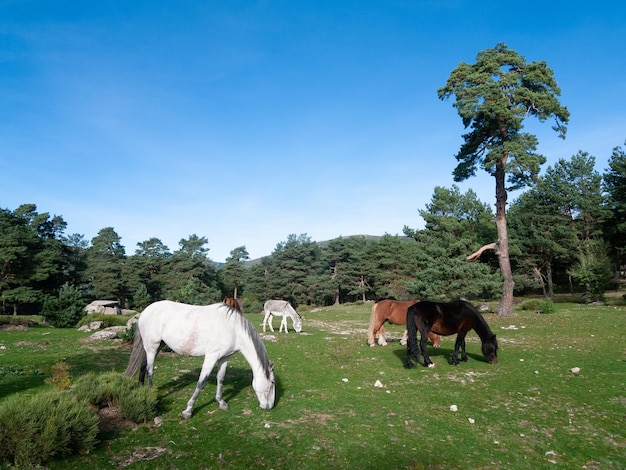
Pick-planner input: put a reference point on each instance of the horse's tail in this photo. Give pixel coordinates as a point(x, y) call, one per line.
point(137, 355)
point(411, 343)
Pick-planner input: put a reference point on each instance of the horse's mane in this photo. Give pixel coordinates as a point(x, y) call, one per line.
point(254, 336)
point(481, 327)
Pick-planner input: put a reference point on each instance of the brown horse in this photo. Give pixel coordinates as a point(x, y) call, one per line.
point(394, 312)
point(234, 303)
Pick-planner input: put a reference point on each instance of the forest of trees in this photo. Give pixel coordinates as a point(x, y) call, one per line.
point(567, 233)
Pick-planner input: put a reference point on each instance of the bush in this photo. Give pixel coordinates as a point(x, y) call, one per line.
point(531, 304)
point(35, 429)
point(134, 402)
point(59, 376)
point(66, 310)
point(547, 307)
point(108, 320)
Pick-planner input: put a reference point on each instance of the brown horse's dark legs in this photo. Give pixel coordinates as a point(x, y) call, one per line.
point(459, 344)
point(423, 342)
point(463, 355)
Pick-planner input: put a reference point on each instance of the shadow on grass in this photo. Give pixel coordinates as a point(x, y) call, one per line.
point(437, 352)
point(236, 381)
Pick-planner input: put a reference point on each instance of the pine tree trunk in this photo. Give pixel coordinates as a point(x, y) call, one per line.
point(505, 306)
point(550, 281)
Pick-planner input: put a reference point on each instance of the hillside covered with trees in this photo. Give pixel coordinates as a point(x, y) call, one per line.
point(567, 233)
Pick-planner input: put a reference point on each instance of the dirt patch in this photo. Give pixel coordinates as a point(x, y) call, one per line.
point(308, 418)
point(111, 419)
point(145, 454)
point(339, 327)
point(13, 327)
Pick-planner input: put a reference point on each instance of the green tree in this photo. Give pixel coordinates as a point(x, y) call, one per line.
point(349, 263)
point(294, 272)
point(190, 274)
point(75, 254)
point(614, 184)
point(145, 270)
point(65, 310)
point(541, 236)
point(395, 266)
point(141, 298)
point(493, 98)
point(456, 224)
point(576, 189)
point(593, 268)
point(232, 274)
point(31, 256)
point(106, 257)
point(257, 281)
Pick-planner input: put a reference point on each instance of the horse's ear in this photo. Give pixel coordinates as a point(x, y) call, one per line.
point(271, 366)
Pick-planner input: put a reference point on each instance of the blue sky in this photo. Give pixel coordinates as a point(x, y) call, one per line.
point(247, 121)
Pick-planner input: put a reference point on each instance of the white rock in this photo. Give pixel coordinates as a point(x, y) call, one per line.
point(575, 370)
point(344, 380)
point(453, 408)
point(471, 420)
point(378, 384)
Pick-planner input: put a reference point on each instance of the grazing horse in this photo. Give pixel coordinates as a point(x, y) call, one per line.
point(234, 303)
point(394, 312)
point(447, 319)
point(281, 308)
point(213, 331)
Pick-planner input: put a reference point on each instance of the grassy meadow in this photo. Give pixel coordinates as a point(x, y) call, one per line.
point(528, 411)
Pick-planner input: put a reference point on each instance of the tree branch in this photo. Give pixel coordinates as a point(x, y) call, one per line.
point(474, 256)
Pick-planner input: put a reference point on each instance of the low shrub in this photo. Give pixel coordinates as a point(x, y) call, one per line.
point(531, 304)
point(134, 402)
point(59, 376)
point(547, 307)
point(39, 428)
point(128, 334)
point(108, 320)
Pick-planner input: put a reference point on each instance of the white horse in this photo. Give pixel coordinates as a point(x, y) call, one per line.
point(213, 331)
point(281, 308)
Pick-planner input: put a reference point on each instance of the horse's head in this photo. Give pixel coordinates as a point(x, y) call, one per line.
point(264, 386)
point(490, 350)
point(297, 324)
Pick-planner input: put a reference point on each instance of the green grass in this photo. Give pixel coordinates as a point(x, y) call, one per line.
point(528, 411)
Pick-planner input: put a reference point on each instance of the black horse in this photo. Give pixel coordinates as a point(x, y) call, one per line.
point(446, 319)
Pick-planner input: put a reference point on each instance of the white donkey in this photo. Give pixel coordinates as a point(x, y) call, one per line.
point(281, 308)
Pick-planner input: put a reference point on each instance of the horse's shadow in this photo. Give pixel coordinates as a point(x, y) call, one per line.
point(236, 381)
point(436, 352)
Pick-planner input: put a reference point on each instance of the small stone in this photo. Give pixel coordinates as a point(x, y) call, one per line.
point(453, 408)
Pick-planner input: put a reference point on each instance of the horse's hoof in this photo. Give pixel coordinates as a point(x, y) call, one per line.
point(224, 406)
point(186, 414)
point(431, 365)
point(403, 343)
